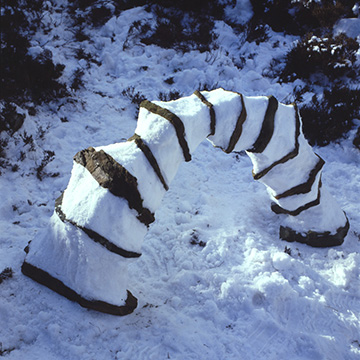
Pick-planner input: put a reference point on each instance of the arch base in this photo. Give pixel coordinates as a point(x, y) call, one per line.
point(315, 239)
point(58, 286)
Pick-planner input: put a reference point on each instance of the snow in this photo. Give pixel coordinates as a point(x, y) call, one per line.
point(287, 174)
point(195, 117)
point(284, 134)
point(255, 109)
point(351, 27)
point(239, 296)
point(88, 204)
point(132, 158)
point(158, 131)
point(225, 120)
point(68, 255)
point(241, 13)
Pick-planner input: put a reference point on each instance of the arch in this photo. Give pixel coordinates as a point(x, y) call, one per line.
point(83, 259)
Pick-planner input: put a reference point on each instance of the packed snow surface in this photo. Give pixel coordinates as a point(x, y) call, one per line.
point(214, 281)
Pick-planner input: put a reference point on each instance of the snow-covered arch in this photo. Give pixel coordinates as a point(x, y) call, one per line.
point(83, 258)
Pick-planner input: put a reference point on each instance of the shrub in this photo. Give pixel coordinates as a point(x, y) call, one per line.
point(170, 33)
point(77, 81)
point(257, 33)
point(23, 77)
point(334, 57)
point(100, 15)
point(134, 96)
point(40, 172)
point(183, 25)
point(10, 119)
point(274, 13)
point(26, 81)
point(209, 8)
point(322, 14)
point(96, 12)
point(356, 140)
point(3, 162)
point(329, 118)
point(172, 95)
point(299, 17)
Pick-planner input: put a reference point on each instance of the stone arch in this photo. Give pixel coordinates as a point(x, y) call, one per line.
point(84, 259)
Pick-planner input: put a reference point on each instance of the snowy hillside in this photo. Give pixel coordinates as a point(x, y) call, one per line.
point(214, 280)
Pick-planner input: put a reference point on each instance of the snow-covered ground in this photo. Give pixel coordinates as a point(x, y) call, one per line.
point(214, 280)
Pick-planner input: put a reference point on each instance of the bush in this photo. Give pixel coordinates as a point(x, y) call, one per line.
point(329, 118)
point(23, 77)
point(320, 61)
point(182, 25)
point(100, 15)
point(96, 13)
point(356, 140)
point(170, 33)
point(323, 14)
point(209, 8)
point(334, 57)
point(10, 119)
point(300, 17)
point(274, 13)
point(171, 95)
point(257, 33)
point(26, 81)
point(92, 12)
point(134, 96)
point(3, 162)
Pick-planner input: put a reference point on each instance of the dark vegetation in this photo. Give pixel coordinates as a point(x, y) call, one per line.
point(25, 78)
point(301, 17)
point(27, 81)
point(134, 96)
point(356, 140)
point(315, 58)
point(326, 63)
point(184, 25)
point(320, 59)
point(328, 118)
point(7, 273)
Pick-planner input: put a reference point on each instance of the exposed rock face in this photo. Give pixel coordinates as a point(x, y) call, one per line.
point(102, 217)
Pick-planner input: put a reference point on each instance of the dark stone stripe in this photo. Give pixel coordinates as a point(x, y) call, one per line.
point(44, 278)
point(287, 157)
point(267, 128)
point(111, 175)
point(94, 235)
point(316, 239)
point(174, 120)
point(279, 210)
point(211, 109)
point(150, 157)
point(305, 187)
point(238, 127)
